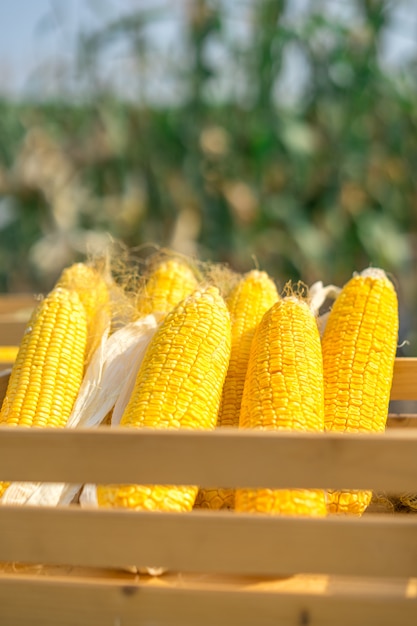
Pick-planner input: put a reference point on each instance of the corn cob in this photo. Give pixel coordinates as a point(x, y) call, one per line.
point(247, 302)
point(284, 391)
point(178, 385)
point(359, 346)
point(93, 292)
point(169, 282)
point(49, 366)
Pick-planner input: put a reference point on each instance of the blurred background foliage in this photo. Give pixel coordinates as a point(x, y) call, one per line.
point(269, 132)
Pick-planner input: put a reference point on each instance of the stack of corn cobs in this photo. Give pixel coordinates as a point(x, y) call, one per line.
point(193, 349)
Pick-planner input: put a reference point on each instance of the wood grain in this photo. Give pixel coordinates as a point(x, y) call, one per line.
point(17, 304)
point(11, 332)
point(225, 457)
point(15, 310)
point(402, 420)
point(404, 384)
point(220, 542)
point(37, 601)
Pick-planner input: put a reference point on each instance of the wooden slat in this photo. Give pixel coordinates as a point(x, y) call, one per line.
point(404, 385)
point(402, 420)
point(225, 457)
point(311, 584)
point(17, 304)
point(11, 332)
point(220, 542)
point(15, 310)
point(31, 601)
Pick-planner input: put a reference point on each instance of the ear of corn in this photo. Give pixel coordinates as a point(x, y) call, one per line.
point(48, 370)
point(91, 287)
point(248, 301)
point(359, 347)
point(284, 391)
point(169, 282)
point(178, 385)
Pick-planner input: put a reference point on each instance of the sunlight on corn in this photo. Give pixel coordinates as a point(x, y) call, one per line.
point(179, 385)
point(284, 391)
point(168, 283)
point(254, 294)
point(90, 285)
point(49, 366)
point(359, 346)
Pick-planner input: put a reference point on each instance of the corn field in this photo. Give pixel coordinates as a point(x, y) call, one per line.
point(266, 136)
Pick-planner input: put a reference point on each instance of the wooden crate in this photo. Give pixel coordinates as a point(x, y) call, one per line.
point(70, 566)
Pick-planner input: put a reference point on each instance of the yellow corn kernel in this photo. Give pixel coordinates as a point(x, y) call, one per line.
point(48, 370)
point(254, 294)
point(92, 289)
point(359, 346)
point(284, 391)
point(247, 303)
point(215, 498)
point(178, 385)
point(169, 282)
point(3, 487)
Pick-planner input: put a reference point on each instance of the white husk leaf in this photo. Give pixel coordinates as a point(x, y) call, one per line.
point(115, 362)
point(45, 494)
point(318, 294)
point(126, 388)
point(88, 496)
point(19, 493)
point(115, 359)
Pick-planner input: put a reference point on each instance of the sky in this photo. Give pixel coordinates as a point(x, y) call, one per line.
point(36, 34)
point(21, 43)
point(38, 37)
point(17, 20)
